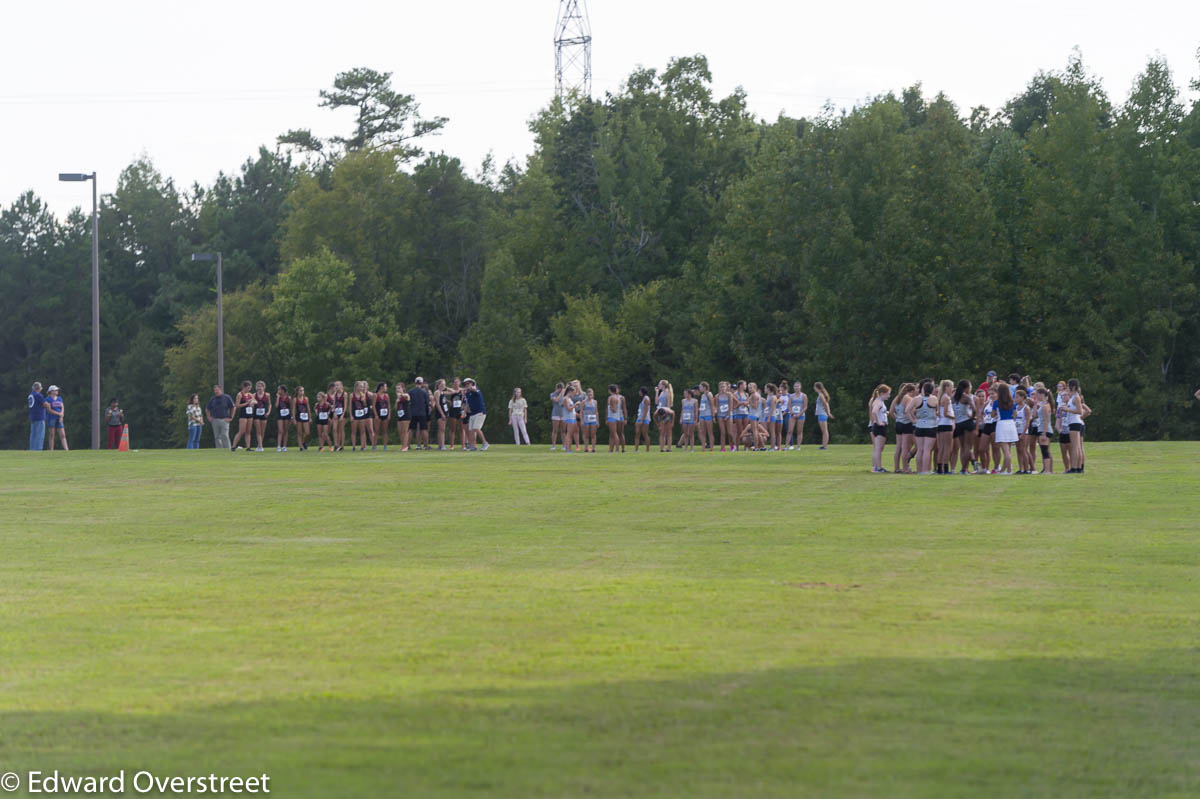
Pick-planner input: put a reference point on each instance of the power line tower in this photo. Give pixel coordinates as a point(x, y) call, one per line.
point(572, 50)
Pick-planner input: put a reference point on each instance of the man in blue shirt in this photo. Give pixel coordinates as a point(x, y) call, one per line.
point(478, 414)
point(37, 418)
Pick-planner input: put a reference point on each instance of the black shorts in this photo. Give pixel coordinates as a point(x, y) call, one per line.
point(879, 430)
point(454, 413)
point(247, 413)
point(904, 428)
point(945, 428)
point(925, 432)
point(1033, 431)
point(1064, 438)
point(1076, 427)
point(322, 423)
point(279, 418)
point(989, 429)
point(419, 423)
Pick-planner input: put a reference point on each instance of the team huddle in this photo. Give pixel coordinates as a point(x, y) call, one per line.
point(737, 417)
point(945, 424)
point(456, 409)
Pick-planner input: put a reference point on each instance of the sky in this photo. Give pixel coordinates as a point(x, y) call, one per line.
point(198, 88)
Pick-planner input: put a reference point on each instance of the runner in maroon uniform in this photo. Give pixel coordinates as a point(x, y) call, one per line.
point(402, 414)
point(243, 409)
point(283, 418)
point(262, 411)
point(324, 412)
point(336, 396)
point(383, 413)
point(359, 410)
point(303, 418)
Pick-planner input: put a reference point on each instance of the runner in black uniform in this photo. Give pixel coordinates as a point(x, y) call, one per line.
point(402, 415)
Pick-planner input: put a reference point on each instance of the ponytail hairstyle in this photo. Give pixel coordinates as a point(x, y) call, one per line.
point(380, 387)
point(1003, 398)
point(281, 389)
point(771, 389)
point(783, 387)
point(1073, 385)
point(246, 385)
point(882, 388)
point(905, 389)
point(704, 386)
point(612, 388)
point(643, 392)
point(670, 393)
point(926, 387)
point(964, 387)
point(819, 387)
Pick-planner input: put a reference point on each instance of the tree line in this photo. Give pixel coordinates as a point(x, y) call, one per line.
point(657, 232)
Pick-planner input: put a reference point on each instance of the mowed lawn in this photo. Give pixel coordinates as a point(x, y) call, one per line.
point(519, 623)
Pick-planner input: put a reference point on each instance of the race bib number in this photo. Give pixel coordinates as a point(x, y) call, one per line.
point(339, 411)
point(359, 413)
point(260, 411)
point(383, 412)
point(303, 416)
point(457, 403)
point(591, 417)
point(284, 413)
point(323, 416)
point(399, 413)
point(687, 418)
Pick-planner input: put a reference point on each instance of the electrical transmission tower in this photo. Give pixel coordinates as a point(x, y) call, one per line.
point(572, 50)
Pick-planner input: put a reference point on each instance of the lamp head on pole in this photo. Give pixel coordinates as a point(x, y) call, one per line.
point(75, 176)
point(204, 256)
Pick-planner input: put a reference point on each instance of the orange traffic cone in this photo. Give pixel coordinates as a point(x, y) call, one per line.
point(124, 446)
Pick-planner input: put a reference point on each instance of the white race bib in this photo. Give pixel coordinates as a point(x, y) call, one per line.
point(303, 416)
point(383, 412)
point(284, 413)
point(591, 417)
point(359, 413)
point(323, 416)
point(399, 413)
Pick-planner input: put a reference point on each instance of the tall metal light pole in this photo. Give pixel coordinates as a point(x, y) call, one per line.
point(208, 256)
point(79, 177)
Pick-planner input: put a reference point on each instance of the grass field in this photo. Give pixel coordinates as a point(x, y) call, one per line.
point(527, 624)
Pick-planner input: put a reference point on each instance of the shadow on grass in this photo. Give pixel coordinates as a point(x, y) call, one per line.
point(897, 728)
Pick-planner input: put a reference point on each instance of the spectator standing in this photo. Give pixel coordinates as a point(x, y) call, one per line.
point(37, 418)
point(517, 409)
point(478, 415)
point(418, 406)
point(54, 418)
point(114, 418)
point(195, 421)
point(220, 413)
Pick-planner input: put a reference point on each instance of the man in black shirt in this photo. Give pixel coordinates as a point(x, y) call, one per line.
point(418, 411)
point(220, 412)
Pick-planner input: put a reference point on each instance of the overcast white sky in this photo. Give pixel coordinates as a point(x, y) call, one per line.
point(198, 87)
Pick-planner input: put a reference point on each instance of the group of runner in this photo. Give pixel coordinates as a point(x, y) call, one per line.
point(737, 416)
point(455, 410)
point(948, 423)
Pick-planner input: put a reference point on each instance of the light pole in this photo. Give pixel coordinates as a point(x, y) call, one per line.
point(79, 177)
point(208, 256)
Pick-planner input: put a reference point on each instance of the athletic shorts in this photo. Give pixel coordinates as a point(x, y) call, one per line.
point(1033, 431)
point(945, 428)
point(1076, 427)
point(740, 416)
point(706, 418)
point(925, 432)
point(454, 413)
point(821, 417)
point(879, 430)
point(799, 418)
point(905, 428)
point(419, 423)
point(989, 429)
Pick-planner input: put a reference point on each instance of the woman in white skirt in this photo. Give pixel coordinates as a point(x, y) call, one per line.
point(1006, 426)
